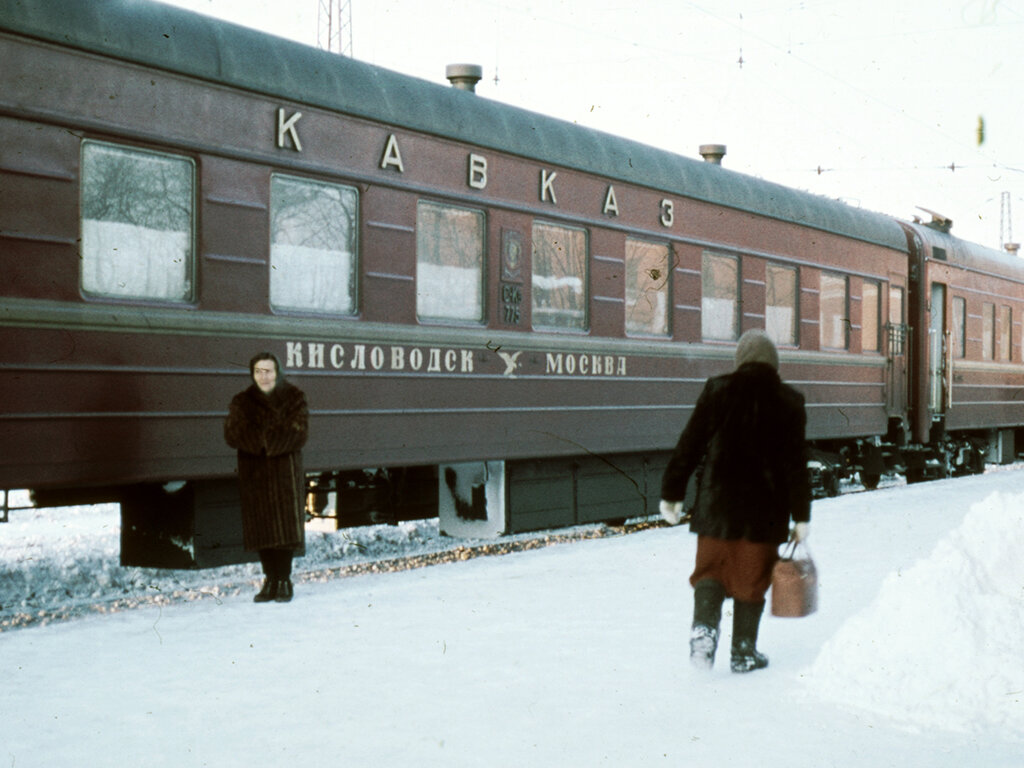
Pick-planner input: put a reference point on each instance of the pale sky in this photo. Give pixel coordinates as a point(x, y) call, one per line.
point(871, 101)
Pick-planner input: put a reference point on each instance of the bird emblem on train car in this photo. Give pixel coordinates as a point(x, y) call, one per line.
point(511, 362)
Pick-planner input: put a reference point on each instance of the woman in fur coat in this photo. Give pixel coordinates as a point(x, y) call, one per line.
point(745, 444)
point(268, 424)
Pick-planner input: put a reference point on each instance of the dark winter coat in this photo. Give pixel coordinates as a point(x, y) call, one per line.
point(746, 437)
point(269, 431)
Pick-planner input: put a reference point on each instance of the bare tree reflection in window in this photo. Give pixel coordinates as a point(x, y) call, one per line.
point(558, 289)
point(313, 245)
point(647, 278)
point(136, 223)
point(449, 263)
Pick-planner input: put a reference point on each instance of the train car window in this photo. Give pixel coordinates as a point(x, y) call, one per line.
point(870, 312)
point(559, 282)
point(449, 263)
point(647, 301)
point(312, 246)
point(137, 223)
point(959, 326)
point(988, 331)
point(719, 305)
point(1004, 333)
point(895, 305)
point(834, 317)
point(780, 311)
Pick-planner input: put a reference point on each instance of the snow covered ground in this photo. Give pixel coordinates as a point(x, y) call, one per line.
point(572, 654)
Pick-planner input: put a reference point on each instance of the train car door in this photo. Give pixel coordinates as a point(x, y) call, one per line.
point(897, 351)
point(938, 352)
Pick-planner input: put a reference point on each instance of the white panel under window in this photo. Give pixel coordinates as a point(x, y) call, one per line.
point(647, 276)
point(449, 263)
point(312, 246)
point(720, 297)
point(137, 210)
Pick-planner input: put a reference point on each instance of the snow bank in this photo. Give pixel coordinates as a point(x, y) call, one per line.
point(59, 563)
point(940, 647)
point(54, 562)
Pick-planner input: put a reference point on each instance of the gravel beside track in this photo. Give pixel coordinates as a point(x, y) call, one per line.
point(122, 589)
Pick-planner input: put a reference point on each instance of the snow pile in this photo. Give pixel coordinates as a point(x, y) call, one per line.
point(940, 645)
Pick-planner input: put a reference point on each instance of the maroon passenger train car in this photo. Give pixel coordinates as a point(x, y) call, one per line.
point(967, 303)
point(497, 317)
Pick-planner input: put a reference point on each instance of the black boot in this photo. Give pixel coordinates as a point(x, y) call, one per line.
point(269, 591)
point(746, 618)
point(271, 578)
point(283, 571)
point(285, 591)
point(708, 595)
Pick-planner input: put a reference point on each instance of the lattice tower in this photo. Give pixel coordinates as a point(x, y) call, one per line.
point(334, 26)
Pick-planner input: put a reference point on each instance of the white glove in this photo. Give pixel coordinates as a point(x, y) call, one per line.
point(671, 511)
point(801, 531)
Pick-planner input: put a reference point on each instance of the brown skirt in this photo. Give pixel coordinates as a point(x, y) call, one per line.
point(744, 568)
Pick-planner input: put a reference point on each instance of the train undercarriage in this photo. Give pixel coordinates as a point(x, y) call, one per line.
point(197, 524)
point(947, 454)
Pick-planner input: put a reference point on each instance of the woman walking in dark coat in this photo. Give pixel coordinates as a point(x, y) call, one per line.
point(268, 424)
point(745, 442)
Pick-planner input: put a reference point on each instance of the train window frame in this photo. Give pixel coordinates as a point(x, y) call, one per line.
point(958, 323)
point(1004, 333)
point(773, 323)
point(428, 302)
point(109, 268)
point(537, 309)
point(715, 316)
point(870, 332)
point(323, 281)
point(840, 321)
point(647, 290)
point(988, 330)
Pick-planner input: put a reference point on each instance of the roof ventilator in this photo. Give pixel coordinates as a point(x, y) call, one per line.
point(712, 153)
point(464, 76)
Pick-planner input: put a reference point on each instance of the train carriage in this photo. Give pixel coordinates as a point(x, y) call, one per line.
point(497, 316)
point(968, 303)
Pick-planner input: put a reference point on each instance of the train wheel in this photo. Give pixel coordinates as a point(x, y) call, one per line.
point(870, 480)
point(831, 482)
point(977, 462)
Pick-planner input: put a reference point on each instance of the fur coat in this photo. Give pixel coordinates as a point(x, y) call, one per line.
point(745, 443)
point(268, 431)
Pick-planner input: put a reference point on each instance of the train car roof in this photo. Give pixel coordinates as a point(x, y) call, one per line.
point(175, 40)
point(968, 255)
